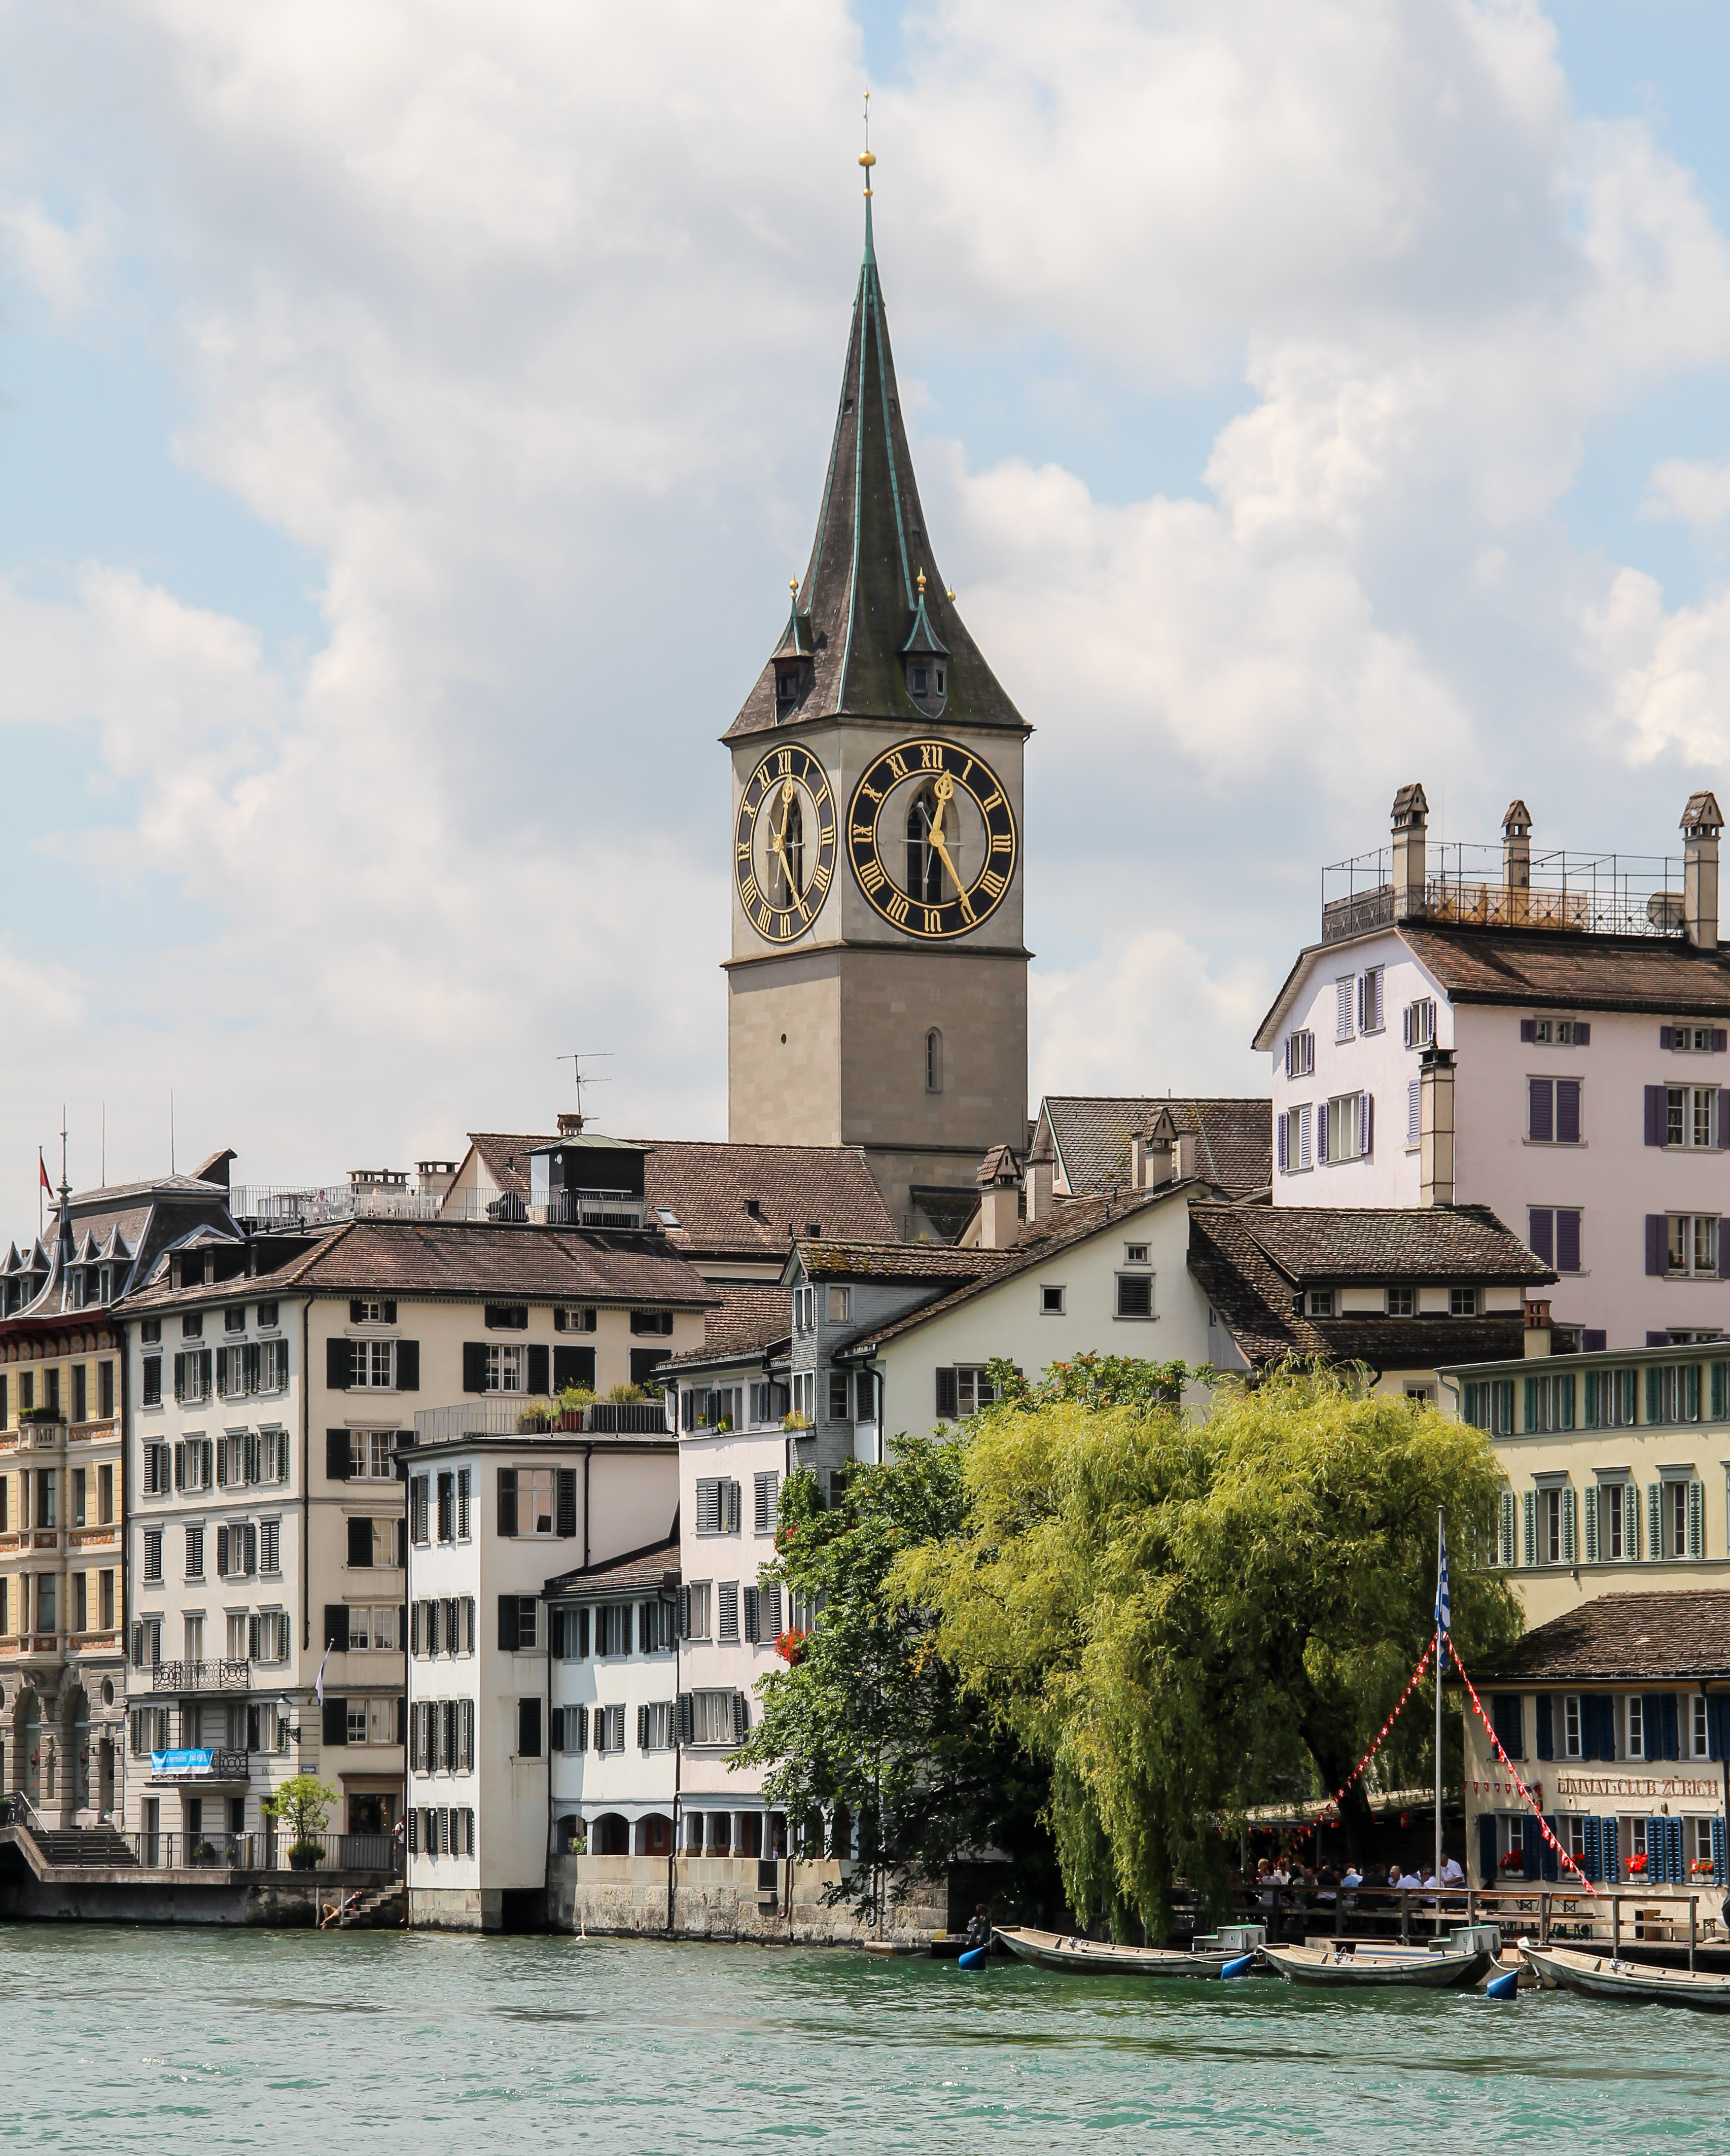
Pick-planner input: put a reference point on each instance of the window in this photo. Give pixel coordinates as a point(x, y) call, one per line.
point(153, 1554)
point(1490, 1404)
point(157, 1459)
point(1420, 1028)
point(1557, 1032)
point(1051, 1301)
point(1699, 1749)
point(1370, 999)
point(195, 1552)
point(1549, 1526)
point(192, 1375)
point(962, 1391)
point(1673, 1391)
point(192, 1328)
point(1135, 1295)
point(659, 1726)
point(267, 1316)
point(505, 1369)
point(840, 1405)
point(1349, 1126)
point(1135, 1254)
point(697, 1610)
point(1549, 1402)
point(711, 1717)
point(717, 1505)
point(1674, 1514)
point(1636, 1738)
point(726, 1607)
point(1402, 1301)
point(608, 1724)
point(372, 1365)
point(364, 1311)
point(1345, 1000)
point(804, 1395)
point(371, 1456)
point(1691, 1116)
point(1294, 1138)
point(1693, 1244)
point(1320, 1300)
point(1612, 1398)
point(575, 1320)
point(1619, 1534)
point(1553, 1234)
point(804, 1310)
point(150, 1390)
point(1462, 1302)
point(768, 1494)
point(1552, 1110)
point(1689, 1040)
point(1300, 1052)
point(234, 1318)
point(934, 1062)
point(1570, 1726)
point(655, 1324)
point(150, 1331)
point(534, 1491)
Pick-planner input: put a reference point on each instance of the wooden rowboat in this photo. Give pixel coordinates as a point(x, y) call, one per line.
point(1362, 1964)
point(1601, 1976)
point(1080, 1956)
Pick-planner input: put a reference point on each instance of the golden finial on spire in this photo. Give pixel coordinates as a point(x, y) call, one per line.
point(921, 583)
point(950, 595)
point(792, 585)
point(868, 160)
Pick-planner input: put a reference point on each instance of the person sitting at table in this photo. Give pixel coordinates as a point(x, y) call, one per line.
point(1451, 1875)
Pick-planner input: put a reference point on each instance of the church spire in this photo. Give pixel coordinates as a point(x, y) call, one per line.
point(859, 618)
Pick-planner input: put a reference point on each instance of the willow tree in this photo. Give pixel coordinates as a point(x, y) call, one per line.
point(1185, 1617)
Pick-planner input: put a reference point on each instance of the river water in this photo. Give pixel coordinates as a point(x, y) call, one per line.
point(198, 2040)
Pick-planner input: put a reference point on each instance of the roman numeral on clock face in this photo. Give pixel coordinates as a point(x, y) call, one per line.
point(993, 885)
point(873, 878)
point(897, 762)
point(898, 910)
point(749, 892)
point(930, 756)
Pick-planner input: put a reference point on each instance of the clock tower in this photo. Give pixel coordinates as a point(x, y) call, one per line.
point(877, 989)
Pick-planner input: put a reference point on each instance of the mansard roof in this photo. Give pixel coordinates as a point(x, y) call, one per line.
point(858, 606)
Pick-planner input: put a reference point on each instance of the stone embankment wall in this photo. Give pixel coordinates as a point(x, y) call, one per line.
point(721, 1897)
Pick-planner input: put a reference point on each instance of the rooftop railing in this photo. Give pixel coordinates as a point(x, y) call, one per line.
point(512, 1417)
point(265, 1206)
point(1586, 894)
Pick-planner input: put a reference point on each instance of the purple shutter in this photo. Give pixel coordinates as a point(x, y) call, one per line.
point(1568, 1111)
point(1595, 1341)
point(1540, 1233)
point(1723, 1255)
point(1723, 1118)
point(1540, 1118)
point(1658, 1243)
point(1657, 1340)
point(1529, 1028)
point(1667, 1039)
point(1657, 1113)
point(1366, 1123)
point(1581, 1036)
point(1568, 1242)
point(1321, 1130)
point(1719, 1038)
point(1284, 1157)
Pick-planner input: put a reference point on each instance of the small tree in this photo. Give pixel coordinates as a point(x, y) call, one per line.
point(303, 1803)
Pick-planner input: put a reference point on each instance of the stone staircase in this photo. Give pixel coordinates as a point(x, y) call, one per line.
point(375, 1908)
point(96, 1847)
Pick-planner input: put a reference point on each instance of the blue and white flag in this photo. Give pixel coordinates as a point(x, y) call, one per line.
point(1443, 1609)
point(318, 1689)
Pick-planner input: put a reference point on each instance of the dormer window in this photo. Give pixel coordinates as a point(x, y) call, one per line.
point(787, 686)
point(928, 683)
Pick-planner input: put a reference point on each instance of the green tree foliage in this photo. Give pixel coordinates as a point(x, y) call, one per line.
point(1187, 1616)
point(303, 1803)
point(869, 1718)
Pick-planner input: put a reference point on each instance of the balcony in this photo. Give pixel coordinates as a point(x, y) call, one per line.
point(509, 1414)
point(199, 1764)
point(316, 1205)
point(201, 1677)
point(1464, 885)
point(34, 1437)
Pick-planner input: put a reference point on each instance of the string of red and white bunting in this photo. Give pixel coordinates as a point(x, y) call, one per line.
point(1412, 1684)
point(1514, 1772)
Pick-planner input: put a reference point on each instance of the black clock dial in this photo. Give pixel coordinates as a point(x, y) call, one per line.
point(784, 843)
point(931, 837)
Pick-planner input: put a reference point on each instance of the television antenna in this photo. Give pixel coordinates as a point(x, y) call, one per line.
point(577, 1059)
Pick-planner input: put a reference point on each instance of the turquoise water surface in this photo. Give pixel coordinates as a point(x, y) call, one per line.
point(173, 2040)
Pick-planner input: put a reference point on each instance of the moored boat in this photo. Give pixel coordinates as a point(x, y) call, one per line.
point(1603, 1976)
point(1081, 1957)
point(1364, 1964)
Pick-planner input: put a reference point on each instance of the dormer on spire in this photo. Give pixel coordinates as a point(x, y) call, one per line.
point(926, 658)
point(792, 658)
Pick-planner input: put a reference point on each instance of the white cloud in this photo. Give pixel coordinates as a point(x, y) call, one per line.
point(1694, 494)
point(1148, 1015)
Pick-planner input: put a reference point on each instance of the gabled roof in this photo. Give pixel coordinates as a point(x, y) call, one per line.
point(890, 1262)
point(1091, 1136)
point(1323, 1245)
point(752, 1318)
point(652, 1569)
point(1683, 1637)
point(859, 601)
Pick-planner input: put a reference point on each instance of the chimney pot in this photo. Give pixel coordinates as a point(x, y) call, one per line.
point(1702, 821)
point(1516, 847)
point(1411, 824)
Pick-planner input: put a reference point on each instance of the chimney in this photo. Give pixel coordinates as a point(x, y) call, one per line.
point(1516, 847)
point(1436, 1126)
point(570, 1126)
point(1138, 1161)
point(1411, 827)
point(1538, 1335)
point(999, 1180)
point(434, 1177)
point(1701, 823)
point(1040, 1200)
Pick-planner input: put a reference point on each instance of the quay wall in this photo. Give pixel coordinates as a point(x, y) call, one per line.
point(719, 1897)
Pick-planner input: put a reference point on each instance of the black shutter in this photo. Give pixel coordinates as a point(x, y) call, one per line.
point(335, 1730)
point(336, 1627)
point(390, 1309)
point(568, 1501)
point(402, 1629)
point(507, 1501)
point(685, 1613)
point(686, 1721)
point(1546, 1742)
point(537, 1366)
point(408, 1366)
point(507, 1624)
point(581, 1743)
point(573, 1366)
point(947, 1399)
point(360, 1542)
point(222, 1553)
point(742, 1718)
point(582, 1636)
point(339, 1364)
point(642, 1728)
point(474, 1366)
point(528, 1728)
point(357, 1313)
point(1672, 1734)
point(753, 1616)
point(402, 1544)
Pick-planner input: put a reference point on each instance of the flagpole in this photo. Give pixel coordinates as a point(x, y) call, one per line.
point(1440, 1559)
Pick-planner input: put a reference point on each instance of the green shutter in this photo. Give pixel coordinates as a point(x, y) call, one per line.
point(1718, 1406)
point(1696, 1519)
point(1594, 1390)
point(1528, 1505)
point(1507, 1553)
point(1654, 1525)
point(1567, 1524)
point(1590, 1505)
point(1655, 1394)
point(1532, 1404)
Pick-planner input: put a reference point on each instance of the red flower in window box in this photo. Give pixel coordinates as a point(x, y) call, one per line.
point(1637, 1865)
point(1515, 1860)
point(791, 1646)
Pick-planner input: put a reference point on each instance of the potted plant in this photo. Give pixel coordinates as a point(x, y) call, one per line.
point(203, 1852)
point(624, 1396)
point(791, 1646)
point(793, 1419)
point(303, 1805)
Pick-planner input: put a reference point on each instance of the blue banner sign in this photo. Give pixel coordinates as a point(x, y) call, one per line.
point(180, 1763)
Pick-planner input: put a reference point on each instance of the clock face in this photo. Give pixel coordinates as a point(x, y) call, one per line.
point(931, 836)
point(784, 843)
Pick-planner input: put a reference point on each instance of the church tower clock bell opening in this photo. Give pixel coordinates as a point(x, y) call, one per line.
point(877, 987)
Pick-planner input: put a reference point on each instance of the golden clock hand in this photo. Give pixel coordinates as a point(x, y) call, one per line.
point(777, 845)
point(943, 856)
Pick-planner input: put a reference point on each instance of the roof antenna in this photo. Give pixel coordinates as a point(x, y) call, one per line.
point(582, 1078)
point(105, 1145)
point(170, 1130)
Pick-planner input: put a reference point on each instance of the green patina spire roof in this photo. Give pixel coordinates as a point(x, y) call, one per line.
point(872, 593)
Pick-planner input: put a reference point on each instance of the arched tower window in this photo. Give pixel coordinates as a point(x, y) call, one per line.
point(925, 866)
point(787, 885)
point(934, 1062)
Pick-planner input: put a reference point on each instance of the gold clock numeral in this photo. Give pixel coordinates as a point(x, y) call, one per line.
point(760, 919)
point(750, 893)
point(821, 797)
point(873, 878)
point(933, 920)
point(744, 849)
point(898, 909)
point(803, 912)
point(784, 922)
point(993, 885)
point(969, 768)
point(861, 834)
point(995, 802)
point(819, 877)
point(1002, 843)
point(825, 835)
point(967, 913)
point(931, 755)
point(867, 793)
point(897, 763)
point(783, 762)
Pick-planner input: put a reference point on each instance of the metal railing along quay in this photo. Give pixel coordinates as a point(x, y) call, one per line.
point(249, 1853)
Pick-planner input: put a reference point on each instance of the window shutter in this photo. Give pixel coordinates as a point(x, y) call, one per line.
point(1667, 1040)
point(1589, 1506)
point(946, 1396)
point(1541, 1119)
point(1654, 1525)
point(734, 1511)
point(752, 1632)
point(686, 1718)
point(1715, 1725)
point(742, 1717)
point(1671, 1728)
point(474, 1366)
point(1528, 1500)
point(1568, 1111)
point(1657, 1243)
point(1529, 1028)
point(600, 1729)
point(338, 1456)
point(708, 1505)
point(507, 1624)
point(1567, 1509)
point(1280, 1139)
point(1505, 1553)
point(1413, 1111)
point(1540, 1233)
point(1568, 1242)
point(1697, 1521)
point(222, 1552)
point(582, 1635)
point(1657, 1114)
point(339, 1364)
point(1582, 1035)
point(568, 1501)
point(507, 1501)
point(1546, 1733)
point(1322, 1131)
point(685, 1613)
point(336, 1627)
point(1343, 1001)
point(335, 1720)
point(360, 1542)
point(1365, 1123)
point(539, 1364)
point(642, 1728)
point(408, 1366)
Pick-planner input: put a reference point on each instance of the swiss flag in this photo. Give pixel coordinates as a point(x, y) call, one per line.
point(42, 1170)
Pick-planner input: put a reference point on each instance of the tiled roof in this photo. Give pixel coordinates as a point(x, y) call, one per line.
point(1624, 1638)
point(707, 1184)
point(428, 1258)
point(1319, 1245)
point(637, 1572)
point(751, 1317)
point(1661, 974)
point(858, 1261)
point(1092, 1132)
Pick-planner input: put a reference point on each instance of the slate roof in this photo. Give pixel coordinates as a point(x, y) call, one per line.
point(751, 1317)
point(1091, 1134)
point(705, 1184)
point(1623, 1638)
point(434, 1258)
point(644, 1571)
point(860, 599)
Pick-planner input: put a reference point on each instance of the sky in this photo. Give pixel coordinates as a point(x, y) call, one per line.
point(411, 412)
